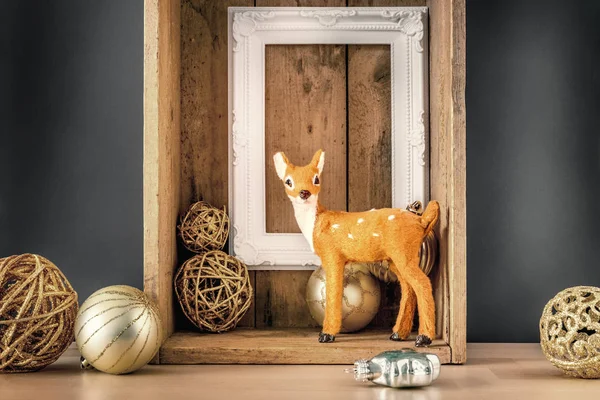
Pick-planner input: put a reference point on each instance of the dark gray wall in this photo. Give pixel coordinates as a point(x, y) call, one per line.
point(533, 159)
point(71, 148)
point(71, 81)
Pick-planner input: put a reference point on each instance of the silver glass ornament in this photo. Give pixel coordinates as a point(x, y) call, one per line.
point(398, 368)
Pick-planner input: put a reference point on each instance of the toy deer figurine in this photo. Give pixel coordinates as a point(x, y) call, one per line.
point(338, 237)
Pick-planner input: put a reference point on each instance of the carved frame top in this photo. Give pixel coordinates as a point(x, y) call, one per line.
point(408, 20)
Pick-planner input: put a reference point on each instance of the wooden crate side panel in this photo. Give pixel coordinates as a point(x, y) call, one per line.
point(448, 134)
point(458, 222)
point(161, 152)
point(438, 82)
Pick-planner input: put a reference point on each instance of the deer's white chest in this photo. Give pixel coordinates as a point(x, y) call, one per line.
point(306, 216)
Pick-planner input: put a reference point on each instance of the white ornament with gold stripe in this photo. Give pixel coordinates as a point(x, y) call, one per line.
point(118, 330)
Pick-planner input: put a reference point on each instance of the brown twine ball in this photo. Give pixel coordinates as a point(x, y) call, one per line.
point(38, 307)
point(570, 331)
point(204, 227)
point(214, 290)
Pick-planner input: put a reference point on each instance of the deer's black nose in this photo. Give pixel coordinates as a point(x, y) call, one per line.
point(304, 194)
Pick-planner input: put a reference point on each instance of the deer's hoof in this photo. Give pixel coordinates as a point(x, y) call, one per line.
point(326, 338)
point(395, 337)
point(422, 341)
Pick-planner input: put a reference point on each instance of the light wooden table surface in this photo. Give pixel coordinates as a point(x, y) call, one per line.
point(494, 371)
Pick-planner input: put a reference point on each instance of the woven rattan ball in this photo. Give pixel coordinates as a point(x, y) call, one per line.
point(204, 227)
point(570, 331)
point(214, 290)
point(38, 307)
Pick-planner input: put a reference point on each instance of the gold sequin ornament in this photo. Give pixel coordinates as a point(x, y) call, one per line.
point(570, 331)
point(361, 300)
point(37, 313)
point(118, 330)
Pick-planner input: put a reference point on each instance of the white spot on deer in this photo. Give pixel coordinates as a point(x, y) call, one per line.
point(376, 234)
point(391, 217)
point(372, 209)
point(350, 236)
point(360, 221)
point(335, 226)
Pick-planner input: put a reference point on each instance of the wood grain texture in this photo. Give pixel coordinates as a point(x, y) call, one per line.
point(281, 300)
point(161, 152)
point(447, 152)
point(305, 109)
point(204, 126)
point(369, 127)
point(248, 321)
point(294, 346)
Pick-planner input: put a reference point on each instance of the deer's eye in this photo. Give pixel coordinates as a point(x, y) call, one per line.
point(288, 181)
point(316, 180)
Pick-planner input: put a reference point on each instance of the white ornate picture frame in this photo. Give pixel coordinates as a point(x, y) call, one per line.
point(404, 29)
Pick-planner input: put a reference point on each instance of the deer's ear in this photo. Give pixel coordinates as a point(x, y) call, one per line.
point(281, 162)
point(318, 160)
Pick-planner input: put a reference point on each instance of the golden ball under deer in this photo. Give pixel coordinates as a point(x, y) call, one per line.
point(361, 299)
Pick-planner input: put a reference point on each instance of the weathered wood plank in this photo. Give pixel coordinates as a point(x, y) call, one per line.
point(204, 126)
point(161, 153)
point(447, 151)
point(369, 127)
point(305, 109)
point(281, 300)
point(249, 319)
point(294, 346)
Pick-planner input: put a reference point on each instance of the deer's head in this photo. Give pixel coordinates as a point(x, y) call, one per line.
point(302, 183)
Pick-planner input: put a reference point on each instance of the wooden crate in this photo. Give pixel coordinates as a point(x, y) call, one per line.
point(185, 157)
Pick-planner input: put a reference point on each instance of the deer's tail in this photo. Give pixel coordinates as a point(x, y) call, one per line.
point(430, 216)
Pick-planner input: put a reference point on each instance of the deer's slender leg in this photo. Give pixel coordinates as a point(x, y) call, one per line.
point(334, 275)
point(408, 304)
point(407, 263)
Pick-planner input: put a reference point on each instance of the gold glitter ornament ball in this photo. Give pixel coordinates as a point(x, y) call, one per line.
point(570, 331)
point(362, 296)
point(37, 313)
point(118, 329)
